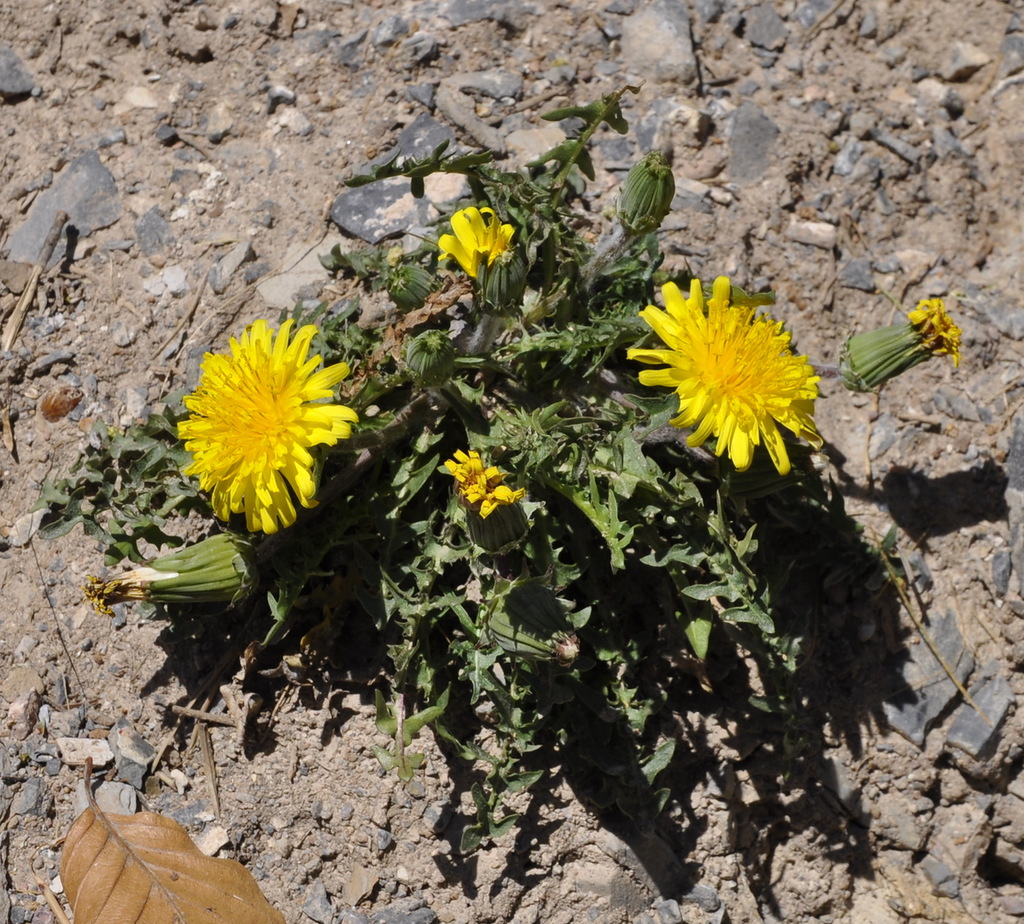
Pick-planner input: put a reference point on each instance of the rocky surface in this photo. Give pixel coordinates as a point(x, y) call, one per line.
point(837, 153)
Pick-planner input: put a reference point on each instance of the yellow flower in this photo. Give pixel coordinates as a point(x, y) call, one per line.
point(253, 420)
point(480, 489)
point(937, 331)
point(735, 374)
point(475, 240)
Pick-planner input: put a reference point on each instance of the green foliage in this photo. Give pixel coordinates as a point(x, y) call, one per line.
point(634, 538)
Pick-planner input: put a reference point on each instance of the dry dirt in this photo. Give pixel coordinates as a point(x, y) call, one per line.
point(849, 835)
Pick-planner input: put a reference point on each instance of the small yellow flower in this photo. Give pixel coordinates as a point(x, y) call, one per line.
point(254, 418)
point(475, 240)
point(938, 332)
point(480, 489)
point(735, 374)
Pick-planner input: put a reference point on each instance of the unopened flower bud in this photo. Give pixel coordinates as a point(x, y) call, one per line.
point(647, 194)
point(529, 621)
point(504, 281)
point(409, 286)
point(430, 357)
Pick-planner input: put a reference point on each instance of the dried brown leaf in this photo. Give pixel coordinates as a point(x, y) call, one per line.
point(144, 869)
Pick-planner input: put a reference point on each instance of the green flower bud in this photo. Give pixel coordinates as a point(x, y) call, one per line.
point(409, 286)
point(430, 357)
point(221, 568)
point(529, 621)
point(647, 194)
point(502, 529)
point(504, 281)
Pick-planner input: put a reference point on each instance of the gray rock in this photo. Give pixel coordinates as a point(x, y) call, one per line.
point(848, 156)
point(351, 916)
point(751, 144)
point(132, 753)
point(1006, 317)
point(153, 231)
point(898, 146)
point(317, 905)
point(970, 731)
point(857, 274)
point(374, 211)
point(765, 27)
point(389, 31)
point(423, 93)
point(421, 47)
point(397, 916)
point(664, 25)
point(926, 688)
point(1015, 497)
point(964, 60)
point(807, 14)
point(279, 96)
point(942, 878)
point(1011, 55)
point(422, 135)
point(85, 190)
point(437, 816)
point(898, 824)
point(32, 799)
point(495, 83)
point(668, 911)
point(709, 10)
point(1002, 568)
point(956, 403)
point(227, 266)
point(512, 13)
point(869, 24)
point(15, 80)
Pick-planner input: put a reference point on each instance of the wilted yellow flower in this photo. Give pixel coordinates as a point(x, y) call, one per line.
point(938, 332)
point(220, 568)
point(480, 489)
point(735, 374)
point(476, 240)
point(253, 420)
point(875, 356)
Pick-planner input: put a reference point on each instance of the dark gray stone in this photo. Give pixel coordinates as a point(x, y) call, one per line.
point(423, 93)
point(848, 156)
point(437, 816)
point(86, 191)
point(351, 916)
point(956, 403)
point(422, 135)
point(765, 27)
point(1011, 56)
point(15, 80)
point(318, 905)
point(751, 144)
point(926, 688)
point(153, 231)
point(376, 210)
point(857, 274)
point(970, 731)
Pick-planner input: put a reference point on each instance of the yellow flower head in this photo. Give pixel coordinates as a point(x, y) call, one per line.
point(475, 240)
point(253, 420)
point(735, 374)
point(480, 489)
point(937, 331)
